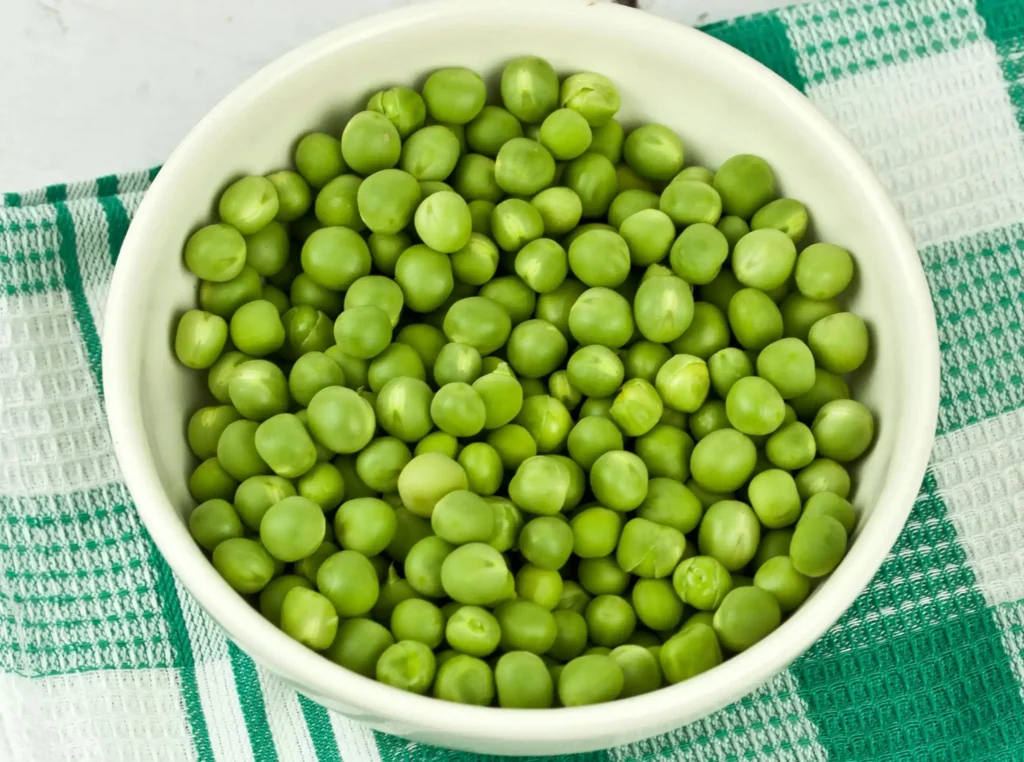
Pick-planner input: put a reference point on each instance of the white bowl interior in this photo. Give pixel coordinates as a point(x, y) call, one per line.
point(721, 104)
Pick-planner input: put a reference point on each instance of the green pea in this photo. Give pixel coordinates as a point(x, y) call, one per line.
point(359, 645)
point(508, 522)
point(214, 521)
point(666, 450)
point(206, 426)
point(619, 480)
point(462, 516)
point(403, 408)
point(312, 372)
point(454, 95)
point(565, 133)
point(244, 564)
point(222, 299)
point(385, 249)
point(408, 665)
point(335, 257)
point(397, 361)
point(720, 291)
point(602, 576)
point(513, 443)
point(774, 498)
point(523, 681)
point(649, 550)
point(523, 167)
point(387, 200)
point(249, 204)
point(839, 342)
point(689, 202)
point(309, 617)
point(754, 319)
point(691, 651)
point(779, 577)
point(426, 479)
point(746, 183)
point(318, 158)
point(210, 480)
point(843, 430)
point(628, 179)
point(830, 504)
point(305, 291)
point(600, 258)
point(285, 445)
point(560, 210)
point(529, 89)
point(476, 574)
point(774, 542)
point(272, 596)
point(823, 271)
point(425, 276)
point(785, 214)
point(607, 140)
point(764, 259)
point(789, 365)
point(591, 437)
point(465, 680)
point(649, 234)
point(474, 180)
point(610, 620)
point(747, 615)
point(337, 203)
point(827, 387)
point(644, 359)
point(592, 95)
point(258, 390)
point(823, 475)
point(726, 367)
point(672, 504)
point(791, 447)
point(601, 316)
point(654, 151)
point(637, 408)
point(729, 532)
point(477, 261)
point(292, 529)
point(526, 626)
point(592, 177)
point(540, 485)
point(754, 407)
point(708, 332)
point(540, 586)
point(663, 308)
point(683, 382)
point(656, 604)
point(546, 542)
point(200, 338)
point(292, 194)
point(696, 172)
point(341, 420)
point(542, 265)
point(513, 294)
point(536, 348)
point(349, 580)
point(473, 630)
point(220, 373)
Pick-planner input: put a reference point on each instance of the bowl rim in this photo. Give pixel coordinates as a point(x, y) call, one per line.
point(670, 706)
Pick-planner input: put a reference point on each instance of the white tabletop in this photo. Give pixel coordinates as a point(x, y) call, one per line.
point(92, 87)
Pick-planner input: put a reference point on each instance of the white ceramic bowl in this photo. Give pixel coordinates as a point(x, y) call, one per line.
point(721, 103)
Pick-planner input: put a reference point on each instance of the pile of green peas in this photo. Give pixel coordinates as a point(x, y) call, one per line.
point(509, 406)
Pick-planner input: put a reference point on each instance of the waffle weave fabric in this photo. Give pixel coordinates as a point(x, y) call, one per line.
point(104, 657)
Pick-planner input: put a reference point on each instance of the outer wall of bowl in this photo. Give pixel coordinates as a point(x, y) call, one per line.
point(721, 103)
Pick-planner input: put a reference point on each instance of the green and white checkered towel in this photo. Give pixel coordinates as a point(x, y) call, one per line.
point(104, 657)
